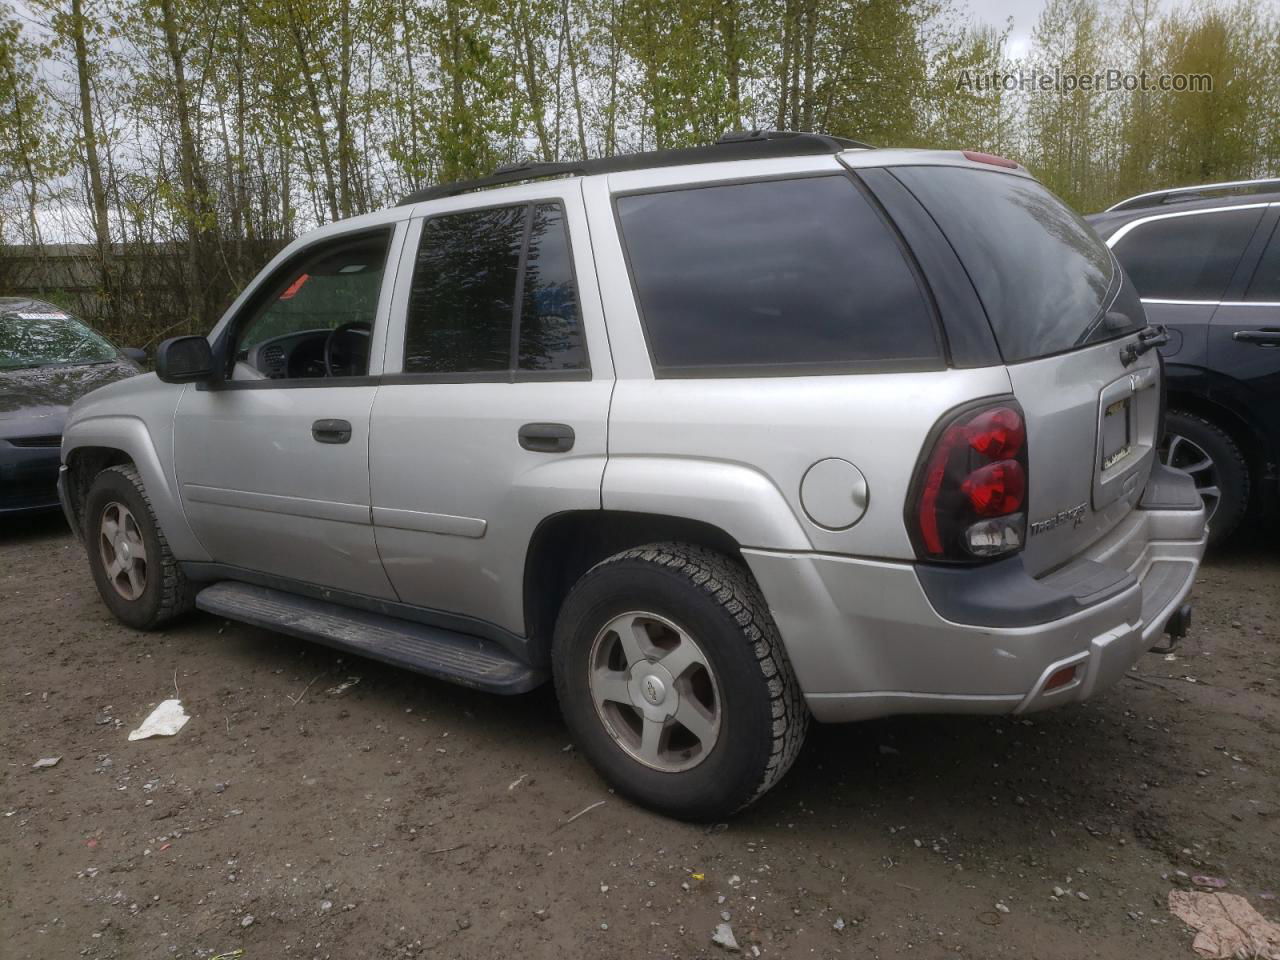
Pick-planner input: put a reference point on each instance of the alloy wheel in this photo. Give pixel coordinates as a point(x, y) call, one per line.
point(123, 551)
point(1185, 454)
point(655, 691)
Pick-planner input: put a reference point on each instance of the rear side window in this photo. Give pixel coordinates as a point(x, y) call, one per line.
point(460, 304)
point(550, 334)
point(774, 277)
point(1188, 257)
point(473, 270)
point(1042, 274)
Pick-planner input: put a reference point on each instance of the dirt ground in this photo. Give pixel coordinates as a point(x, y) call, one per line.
point(405, 817)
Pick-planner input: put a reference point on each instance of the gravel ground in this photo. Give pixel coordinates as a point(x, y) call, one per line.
point(404, 817)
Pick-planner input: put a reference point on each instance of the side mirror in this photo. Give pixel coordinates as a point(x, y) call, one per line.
point(184, 360)
point(134, 354)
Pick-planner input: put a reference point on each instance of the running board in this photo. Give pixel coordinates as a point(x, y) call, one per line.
point(457, 657)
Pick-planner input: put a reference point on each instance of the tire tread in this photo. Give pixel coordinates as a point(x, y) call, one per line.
point(177, 595)
point(731, 586)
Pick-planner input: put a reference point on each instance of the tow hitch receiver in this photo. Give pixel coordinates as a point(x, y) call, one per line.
point(1176, 628)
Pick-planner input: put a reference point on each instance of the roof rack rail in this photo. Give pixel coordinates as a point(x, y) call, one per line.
point(1156, 197)
point(739, 145)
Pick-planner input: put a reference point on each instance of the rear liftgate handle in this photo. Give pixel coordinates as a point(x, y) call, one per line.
point(331, 431)
point(546, 437)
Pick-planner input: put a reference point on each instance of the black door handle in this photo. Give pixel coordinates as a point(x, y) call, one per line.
point(1263, 338)
point(546, 437)
point(331, 431)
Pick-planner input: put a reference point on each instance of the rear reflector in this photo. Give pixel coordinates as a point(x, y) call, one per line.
point(1060, 678)
point(979, 157)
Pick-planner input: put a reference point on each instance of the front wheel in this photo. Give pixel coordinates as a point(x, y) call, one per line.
point(135, 572)
point(674, 682)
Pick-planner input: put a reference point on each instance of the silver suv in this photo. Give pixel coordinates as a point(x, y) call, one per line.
point(717, 439)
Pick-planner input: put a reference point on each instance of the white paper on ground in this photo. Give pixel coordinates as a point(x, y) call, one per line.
point(165, 720)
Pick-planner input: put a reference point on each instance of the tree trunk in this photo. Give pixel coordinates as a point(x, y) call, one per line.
point(317, 115)
point(733, 63)
point(187, 160)
point(97, 193)
point(573, 79)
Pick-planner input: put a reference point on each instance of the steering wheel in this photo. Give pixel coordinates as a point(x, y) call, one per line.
point(334, 360)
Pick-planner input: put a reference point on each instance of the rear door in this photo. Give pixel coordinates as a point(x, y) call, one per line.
point(492, 415)
point(1065, 322)
point(1244, 339)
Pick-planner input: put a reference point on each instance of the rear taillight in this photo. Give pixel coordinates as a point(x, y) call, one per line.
point(968, 498)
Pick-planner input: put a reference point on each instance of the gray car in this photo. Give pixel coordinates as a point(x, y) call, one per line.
point(48, 360)
point(717, 439)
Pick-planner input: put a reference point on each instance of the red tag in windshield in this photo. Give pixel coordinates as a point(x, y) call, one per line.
point(295, 287)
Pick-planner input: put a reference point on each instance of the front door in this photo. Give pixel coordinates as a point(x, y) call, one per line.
point(494, 406)
point(273, 462)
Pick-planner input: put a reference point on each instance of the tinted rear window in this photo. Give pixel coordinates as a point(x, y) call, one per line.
point(460, 304)
point(1043, 276)
point(1188, 257)
point(774, 277)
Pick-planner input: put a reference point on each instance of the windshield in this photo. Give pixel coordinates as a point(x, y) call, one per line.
point(41, 339)
point(1043, 275)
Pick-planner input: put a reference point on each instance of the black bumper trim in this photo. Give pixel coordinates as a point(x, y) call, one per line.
point(1003, 594)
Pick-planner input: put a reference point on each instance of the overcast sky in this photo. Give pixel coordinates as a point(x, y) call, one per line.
point(1025, 13)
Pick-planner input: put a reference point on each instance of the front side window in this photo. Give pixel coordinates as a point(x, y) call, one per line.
point(491, 282)
point(1189, 257)
point(316, 316)
point(777, 277)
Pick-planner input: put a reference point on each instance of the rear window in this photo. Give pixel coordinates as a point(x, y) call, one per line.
point(1189, 256)
point(774, 277)
point(1043, 275)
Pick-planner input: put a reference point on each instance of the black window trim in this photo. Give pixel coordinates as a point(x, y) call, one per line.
point(818, 368)
point(512, 374)
point(223, 352)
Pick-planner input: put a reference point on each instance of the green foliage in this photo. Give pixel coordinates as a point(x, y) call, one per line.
point(203, 134)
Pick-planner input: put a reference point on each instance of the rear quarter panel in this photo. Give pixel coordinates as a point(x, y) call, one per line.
point(734, 451)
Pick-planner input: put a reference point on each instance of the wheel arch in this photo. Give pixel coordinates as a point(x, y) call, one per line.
point(92, 445)
point(566, 545)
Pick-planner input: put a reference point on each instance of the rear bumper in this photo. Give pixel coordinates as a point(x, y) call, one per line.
point(866, 640)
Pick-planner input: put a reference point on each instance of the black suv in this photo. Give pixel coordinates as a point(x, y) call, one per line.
point(1206, 261)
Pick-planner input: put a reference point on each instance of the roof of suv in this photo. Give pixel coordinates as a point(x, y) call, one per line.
point(1178, 199)
point(743, 145)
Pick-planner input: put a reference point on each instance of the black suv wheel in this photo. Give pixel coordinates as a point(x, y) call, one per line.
point(1213, 459)
point(674, 682)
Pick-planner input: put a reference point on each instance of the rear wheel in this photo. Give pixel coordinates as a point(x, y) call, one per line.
point(673, 679)
point(1207, 452)
point(136, 574)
